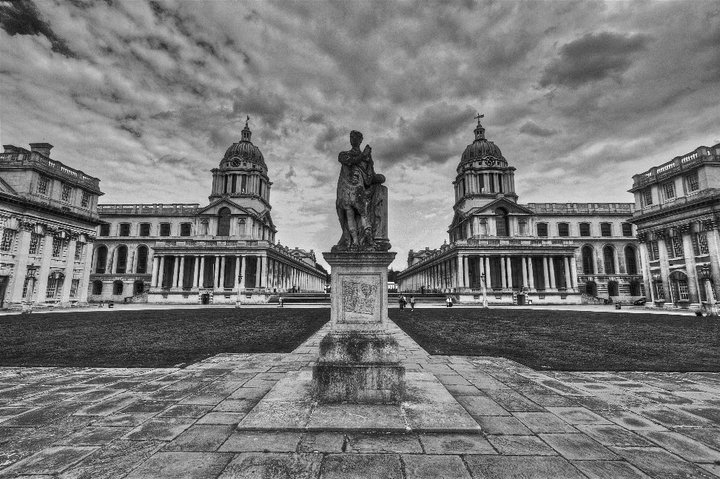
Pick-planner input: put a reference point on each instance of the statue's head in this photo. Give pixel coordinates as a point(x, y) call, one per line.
point(355, 138)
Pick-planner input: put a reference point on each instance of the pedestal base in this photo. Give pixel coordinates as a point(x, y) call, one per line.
point(359, 367)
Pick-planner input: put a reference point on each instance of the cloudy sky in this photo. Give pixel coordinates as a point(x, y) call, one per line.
point(147, 96)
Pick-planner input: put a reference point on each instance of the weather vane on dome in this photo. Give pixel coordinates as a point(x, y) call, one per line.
point(247, 120)
point(478, 117)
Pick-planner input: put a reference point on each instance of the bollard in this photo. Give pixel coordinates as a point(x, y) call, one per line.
point(618, 306)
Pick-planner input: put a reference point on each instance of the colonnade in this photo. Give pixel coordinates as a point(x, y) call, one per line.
point(500, 272)
point(231, 272)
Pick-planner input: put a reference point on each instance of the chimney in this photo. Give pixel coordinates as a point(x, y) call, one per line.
point(42, 148)
point(11, 149)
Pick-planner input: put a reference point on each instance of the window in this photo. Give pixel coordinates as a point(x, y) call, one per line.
point(691, 182)
point(101, 259)
point(43, 184)
point(85, 199)
point(563, 229)
point(7, 240)
point(57, 246)
point(683, 290)
point(142, 259)
point(677, 246)
point(630, 260)
point(223, 228)
point(522, 225)
point(700, 242)
point(627, 229)
point(587, 260)
point(584, 229)
point(164, 229)
point(609, 259)
point(66, 192)
point(117, 287)
point(542, 229)
point(185, 229)
point(605, 229)
point(54, 286)
point(122, 255)
point(647, 196)
point(653, 250)
point(105, 229)
point(501, 222)
point(97, 287)
point(669, 190)
point(144, 229)
point(35, 243)
point(659, 291)
point(124, 229)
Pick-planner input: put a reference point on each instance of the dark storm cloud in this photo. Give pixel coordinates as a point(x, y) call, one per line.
point(533, 129)
point(21, 17)
point(593, 57)
point(425, 137)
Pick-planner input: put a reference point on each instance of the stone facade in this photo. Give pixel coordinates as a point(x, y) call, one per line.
point(48, 216)
point(551, 252)
point(224, 252)
point(677, 215)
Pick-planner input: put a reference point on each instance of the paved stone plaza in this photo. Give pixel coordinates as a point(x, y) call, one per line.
point(170, 423)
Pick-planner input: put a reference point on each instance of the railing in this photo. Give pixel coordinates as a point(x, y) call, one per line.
point(676, 165)
point(581, 208)
point(30, 158)
point(175, 209)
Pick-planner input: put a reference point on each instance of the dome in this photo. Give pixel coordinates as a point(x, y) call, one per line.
point(243, 150)
point(481, 148)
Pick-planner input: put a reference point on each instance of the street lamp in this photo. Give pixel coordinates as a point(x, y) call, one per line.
point(239, 282)
point(705, 273)
point(484, 288)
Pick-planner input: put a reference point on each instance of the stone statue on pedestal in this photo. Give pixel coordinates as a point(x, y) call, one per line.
point(361, 201)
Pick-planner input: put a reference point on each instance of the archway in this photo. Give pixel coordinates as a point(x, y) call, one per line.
point(679, 291)
point(591, 288)
point(613, 288)
point(609, 260)
point(97, 287)
point(138, 287)
point(142, 259)
point(117, 287)
point(630, 260)
point(101, 259)
point(122, 256)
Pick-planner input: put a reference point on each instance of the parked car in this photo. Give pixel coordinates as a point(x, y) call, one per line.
point(640, 301)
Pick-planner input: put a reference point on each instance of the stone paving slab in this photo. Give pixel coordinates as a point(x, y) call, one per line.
point(73, 423)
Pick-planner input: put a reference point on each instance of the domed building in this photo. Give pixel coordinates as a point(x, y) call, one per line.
point(224, 252)
point(501, 251)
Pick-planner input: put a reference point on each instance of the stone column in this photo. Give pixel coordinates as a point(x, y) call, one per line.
point(509, 272)
point(690, 268)
point(223, 265)
point(161, 272)
point(531, 274)
point(69, 270)
point(573, 272)
point(503, 271)
point(181, 273)
point(242, 272)
point(154, 276)
point(645, 265)
point(546, 273)
point(488, 279)
point(216, 273)
point(85, 280)
point(665, 264)
point(42, 279)
point(714, 250)
point(525, 281)
point(551, 266)
point(201, 273)
point(258, 271)
point(196, 273)
point(20, 269)
point(237, 273)
point(263, 270)
point(568, 281)
point(176, 272)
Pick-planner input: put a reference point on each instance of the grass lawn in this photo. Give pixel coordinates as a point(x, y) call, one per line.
point(151, 338)
point(569, 340)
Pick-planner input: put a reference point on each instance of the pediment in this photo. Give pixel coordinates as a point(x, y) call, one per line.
point(5, 188)
point(235, 209)
point(511, 207)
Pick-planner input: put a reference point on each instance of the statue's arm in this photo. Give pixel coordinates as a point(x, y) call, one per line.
point(349, 159)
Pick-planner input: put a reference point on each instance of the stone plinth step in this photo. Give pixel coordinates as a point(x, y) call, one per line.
point(427, 407)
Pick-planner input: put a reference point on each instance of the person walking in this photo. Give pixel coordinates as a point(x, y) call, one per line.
point(412, 303)
point(448, 302)
point(401, 302)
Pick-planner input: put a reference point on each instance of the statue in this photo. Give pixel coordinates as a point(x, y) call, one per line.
point(361, 201)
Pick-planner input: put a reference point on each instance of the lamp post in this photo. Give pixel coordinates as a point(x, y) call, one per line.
point(710, 306)
point(484, 289)
point(237, 303)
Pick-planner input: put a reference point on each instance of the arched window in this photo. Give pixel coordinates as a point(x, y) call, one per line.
point(591, 288)
point(101, 259)
point(587, 259)
point(223, 222)
point(613, 288)
point(142, 259)
point(635, 288)
point(97, 287)
point(630, 260)
point(122, 255)
point(609, 259)
point(138, 287)
point(117, 287)
point(501, 222)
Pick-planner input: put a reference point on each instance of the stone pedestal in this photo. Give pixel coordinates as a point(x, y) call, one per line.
point(358, 360)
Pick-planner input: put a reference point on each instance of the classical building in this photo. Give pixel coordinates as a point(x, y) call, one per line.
point(677, 213)
point(549, 252)
point(223, 252)
point(48, 216)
